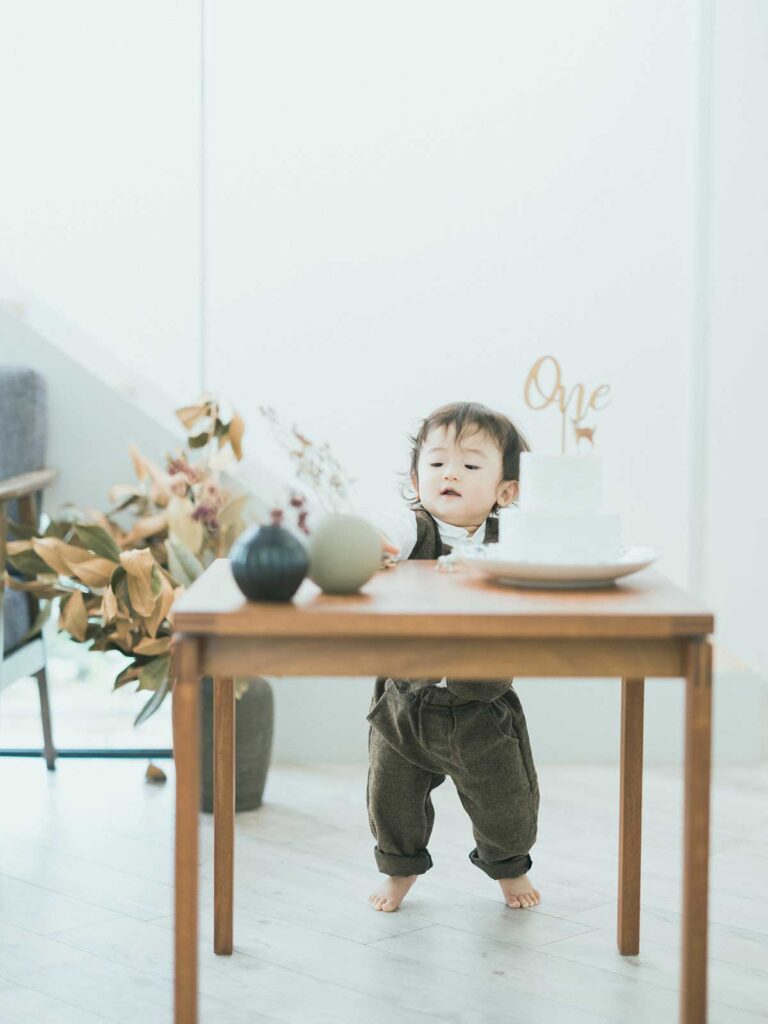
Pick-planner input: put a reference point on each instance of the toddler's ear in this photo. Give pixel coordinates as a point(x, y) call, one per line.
point(507, 492)
point(415, 483)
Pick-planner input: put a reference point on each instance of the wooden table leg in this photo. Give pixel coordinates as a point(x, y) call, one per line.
point(698, 744)
point(186, 755)
point(630, 815)
point(223, 812)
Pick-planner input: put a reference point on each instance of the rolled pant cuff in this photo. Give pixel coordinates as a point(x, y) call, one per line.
point(394, 864)
point(510, 868)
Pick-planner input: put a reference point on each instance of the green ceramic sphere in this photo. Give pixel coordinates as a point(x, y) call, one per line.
point(344, 552)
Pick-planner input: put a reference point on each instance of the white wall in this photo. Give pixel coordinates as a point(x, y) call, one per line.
point(98, 177)
point(736, 500)
point(409, 206)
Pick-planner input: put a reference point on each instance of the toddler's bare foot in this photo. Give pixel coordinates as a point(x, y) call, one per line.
point(519, 892)
point(390, 893)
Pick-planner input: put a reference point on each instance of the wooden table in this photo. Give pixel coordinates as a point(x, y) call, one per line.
point(412, 621)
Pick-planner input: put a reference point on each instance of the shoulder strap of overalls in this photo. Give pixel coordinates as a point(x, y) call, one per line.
point(491, 530)
point(428, 543)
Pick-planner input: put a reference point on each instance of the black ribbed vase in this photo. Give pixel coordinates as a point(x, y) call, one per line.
point(268, 563)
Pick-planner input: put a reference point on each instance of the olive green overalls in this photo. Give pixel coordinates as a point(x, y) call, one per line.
point(472, 730)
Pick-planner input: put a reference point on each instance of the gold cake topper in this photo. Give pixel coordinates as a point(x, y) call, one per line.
point(556, 394)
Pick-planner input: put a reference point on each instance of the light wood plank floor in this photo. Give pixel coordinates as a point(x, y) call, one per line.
point(86, 900)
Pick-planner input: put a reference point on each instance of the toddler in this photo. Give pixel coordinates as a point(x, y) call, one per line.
point(464, 468)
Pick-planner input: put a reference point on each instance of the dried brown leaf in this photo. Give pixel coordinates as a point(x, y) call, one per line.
point(189, 414)
point(121, 492)
point(159, 494)
point(182, 527)
point(42, 587)
point(73, 616)
point(148, 526)
point(235, 435)
point(159, 645)
point(60, 556)
point(15, 547)
point(107, 524)
point(109, 607)
point(129, 673)
point(162, 607)
point(123, 636)
point(94, 572)
point(154, 774)
point(139, 565)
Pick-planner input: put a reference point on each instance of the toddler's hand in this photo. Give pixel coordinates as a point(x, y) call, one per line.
point(387, 544)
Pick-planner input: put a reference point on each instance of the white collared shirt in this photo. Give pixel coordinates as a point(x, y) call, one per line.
point(400, 526)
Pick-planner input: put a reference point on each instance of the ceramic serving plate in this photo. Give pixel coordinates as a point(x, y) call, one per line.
point(489, 561)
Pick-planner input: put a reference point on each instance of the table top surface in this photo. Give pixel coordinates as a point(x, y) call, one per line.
point(414, 600)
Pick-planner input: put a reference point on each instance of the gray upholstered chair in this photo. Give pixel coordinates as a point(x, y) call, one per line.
point(23, 432)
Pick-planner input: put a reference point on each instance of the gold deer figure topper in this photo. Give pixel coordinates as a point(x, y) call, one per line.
point(556, 394)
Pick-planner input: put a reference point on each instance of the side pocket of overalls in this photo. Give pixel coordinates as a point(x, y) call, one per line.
point(518, 728)
point(379, 693)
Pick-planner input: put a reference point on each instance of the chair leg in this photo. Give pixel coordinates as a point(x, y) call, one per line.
point(49, 751)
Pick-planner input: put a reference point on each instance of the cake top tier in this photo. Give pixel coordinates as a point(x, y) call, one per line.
point(560, 483)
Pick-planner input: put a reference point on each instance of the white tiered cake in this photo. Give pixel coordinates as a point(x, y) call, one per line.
point(559, 519)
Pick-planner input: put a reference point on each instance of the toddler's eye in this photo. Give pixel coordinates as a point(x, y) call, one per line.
point(471, 467)
point(435, 463)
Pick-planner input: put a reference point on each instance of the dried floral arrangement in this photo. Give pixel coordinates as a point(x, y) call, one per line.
point(116, 582)
point(314, 464)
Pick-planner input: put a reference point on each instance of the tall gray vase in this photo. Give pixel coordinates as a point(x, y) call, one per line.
point(254, 725)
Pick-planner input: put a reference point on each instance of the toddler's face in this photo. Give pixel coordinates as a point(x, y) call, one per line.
point(460, 483)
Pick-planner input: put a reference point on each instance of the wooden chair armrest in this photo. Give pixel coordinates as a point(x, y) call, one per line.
point(26, 483)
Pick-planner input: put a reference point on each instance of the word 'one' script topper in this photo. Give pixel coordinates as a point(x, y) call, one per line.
point(544, 387)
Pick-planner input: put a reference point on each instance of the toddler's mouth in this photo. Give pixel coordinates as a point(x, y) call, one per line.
point(449, 492)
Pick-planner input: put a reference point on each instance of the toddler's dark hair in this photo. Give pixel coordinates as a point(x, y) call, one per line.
point(466, 418)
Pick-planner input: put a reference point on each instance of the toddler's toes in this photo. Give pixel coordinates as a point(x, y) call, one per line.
point(382, 903)
point(519, 893)
point(391, 892)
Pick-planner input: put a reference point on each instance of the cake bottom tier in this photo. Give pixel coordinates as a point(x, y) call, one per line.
point(564, 538)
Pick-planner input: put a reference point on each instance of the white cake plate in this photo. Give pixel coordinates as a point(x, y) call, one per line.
point(491, 563)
